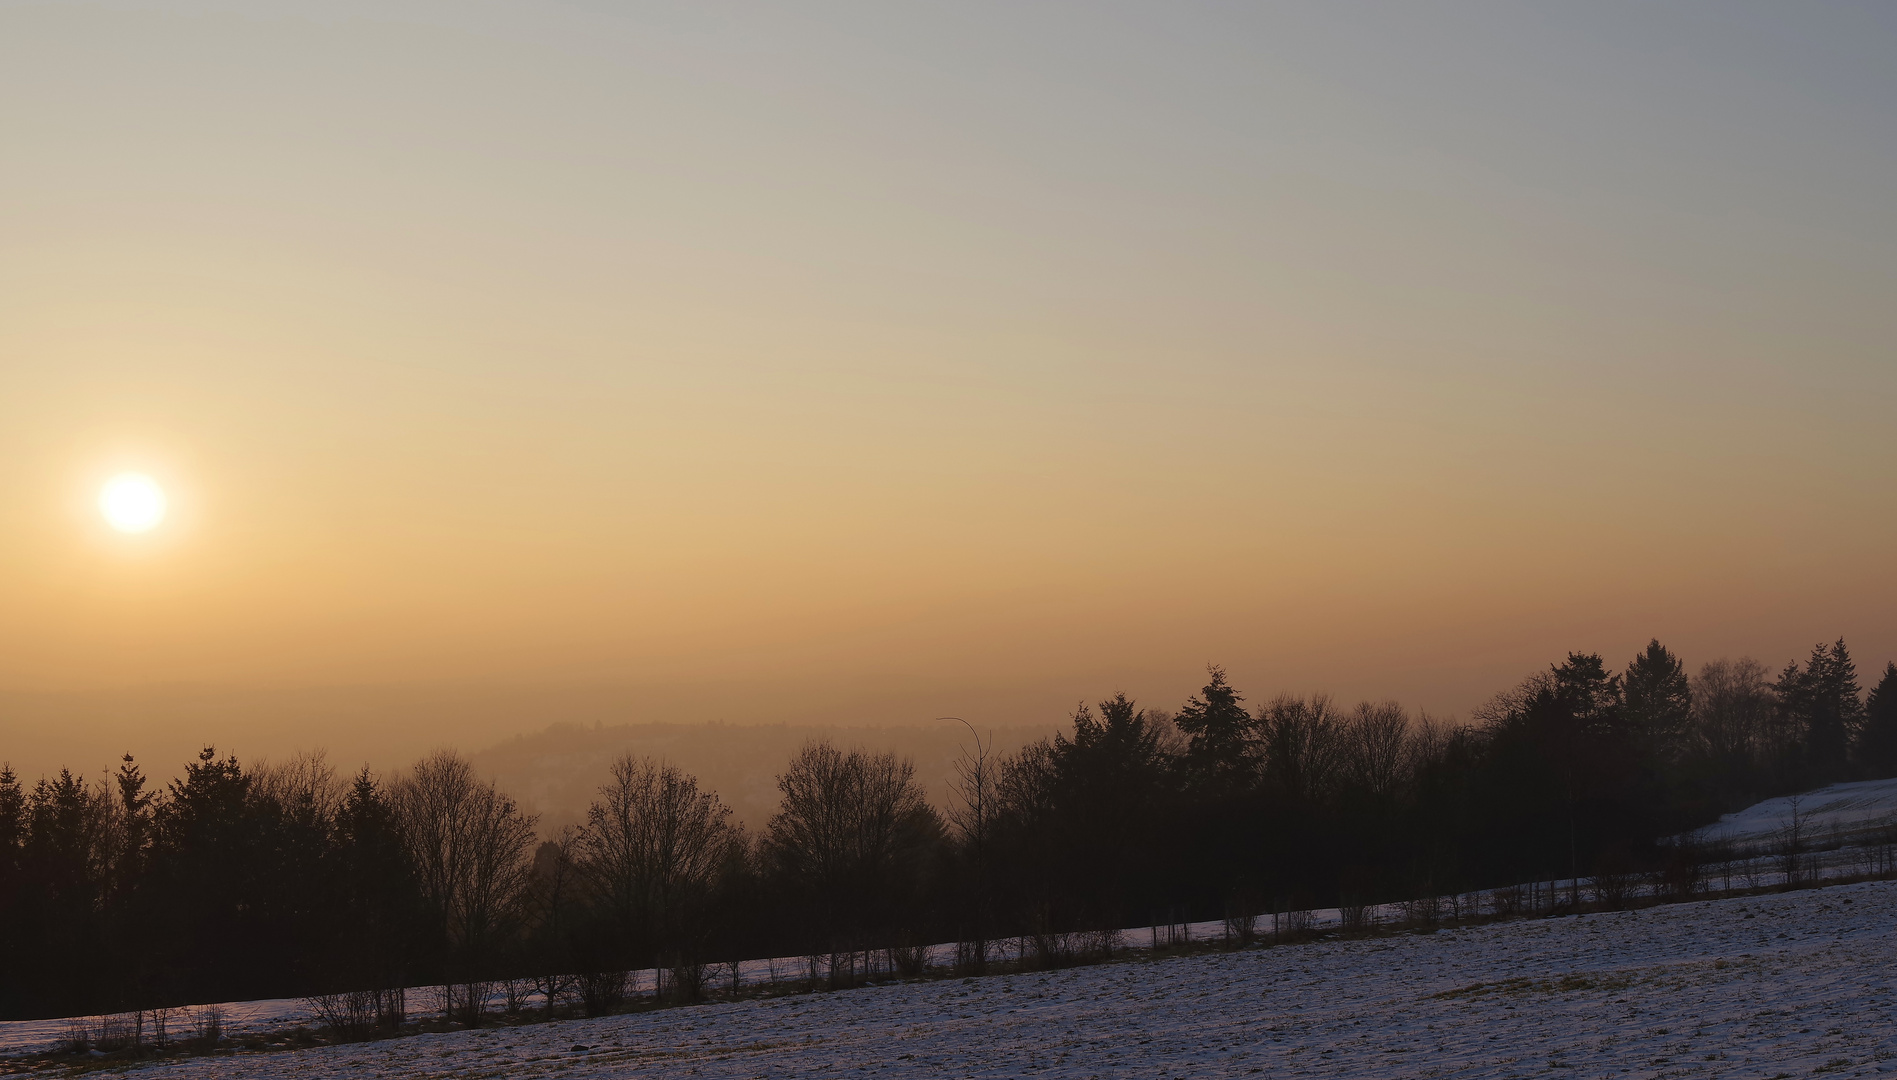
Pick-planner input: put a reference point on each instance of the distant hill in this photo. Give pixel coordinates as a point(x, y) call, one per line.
point(557, 772)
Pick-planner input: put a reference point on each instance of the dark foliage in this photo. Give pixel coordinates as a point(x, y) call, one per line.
point(273, 880)
point(1659, 701)
point(1877, 741)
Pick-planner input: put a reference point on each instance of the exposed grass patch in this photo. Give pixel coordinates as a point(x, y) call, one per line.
point(1566, 984)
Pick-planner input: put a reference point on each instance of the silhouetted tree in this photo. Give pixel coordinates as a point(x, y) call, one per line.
point(1877, 739)
point(1732, 715)
point(13, 834)
point(12, 822)
point(651, 851)
point(128, 902)
point(1221, 751)
point(65, 863)
point(468, 844)
point(381, 915)
point(1080, 819)
point(1375, 752)
point(1659, 701)
point(1593, 700)
point(568, 935)
point(853, 839)
point(294, 806)
point(972, 815)
point(209, 847)
point(1303, 746)
point(1822, 703)
point(13, 830)
point(1563, 761)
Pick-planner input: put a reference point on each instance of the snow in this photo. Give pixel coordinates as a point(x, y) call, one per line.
point(1751, 986)
point(1841, 810)
point(238, 1018)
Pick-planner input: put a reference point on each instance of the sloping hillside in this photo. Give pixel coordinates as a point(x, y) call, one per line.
point(1785, 984)
point(1841, 813)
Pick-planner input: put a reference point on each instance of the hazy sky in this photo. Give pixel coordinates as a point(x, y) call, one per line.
point(866, 362)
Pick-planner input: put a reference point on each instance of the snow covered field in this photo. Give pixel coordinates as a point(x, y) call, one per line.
point(1787, 984)
point(1841, 813)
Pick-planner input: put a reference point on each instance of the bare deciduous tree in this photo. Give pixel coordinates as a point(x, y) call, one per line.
point(1303, 743)
point(305, 786)
point(972, 815)
point(1374, 748)
point(469, 844)
point(651, 851)
point(1794, 839)
point(1733, 714)
point(852, 831)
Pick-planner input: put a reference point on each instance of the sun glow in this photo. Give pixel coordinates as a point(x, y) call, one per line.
point(132, 503)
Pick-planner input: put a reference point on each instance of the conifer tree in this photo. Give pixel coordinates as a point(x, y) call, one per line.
point(1877, 739)
point(12, 840)
point(1831, 708)
point(1791, 696)
point(381, 915)
point(134, 825)
point(12, 825)
point(1222, 746)
point(1593, 699)
point(1659, 700)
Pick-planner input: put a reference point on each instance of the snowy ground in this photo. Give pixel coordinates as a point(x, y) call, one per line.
point(1782, 985)
point(1841, 811)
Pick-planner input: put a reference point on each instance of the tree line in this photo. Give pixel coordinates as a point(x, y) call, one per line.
point(233, 882)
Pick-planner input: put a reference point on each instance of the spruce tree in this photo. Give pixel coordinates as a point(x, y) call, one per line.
point(1593, 700)
point(1834, 709)
point(380, 917)
point(1791, 721)
point(1221, 731)
point(1659, 700)
point(12, 824)
point(210, 867)
point(1877, 739)
point(13, 991)
point(134, 812)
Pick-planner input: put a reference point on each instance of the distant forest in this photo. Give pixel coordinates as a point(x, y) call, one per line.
point(234, 882)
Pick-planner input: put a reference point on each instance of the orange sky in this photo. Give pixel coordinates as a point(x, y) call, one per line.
point(512, 363)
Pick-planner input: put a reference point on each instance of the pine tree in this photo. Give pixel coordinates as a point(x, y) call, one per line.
point(1593, 700)
point(1221, 730)
point(381, 918)
point(66, 831)
point(210, 864)
point(1877, 739)
point(1834, 709)
point(12, 840)
point(63, 863)
point(134, 814)
point(1791, 723)
point(12, 825)
point(1659, 699)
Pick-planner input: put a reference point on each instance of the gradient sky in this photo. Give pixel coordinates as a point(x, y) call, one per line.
point(517, 362)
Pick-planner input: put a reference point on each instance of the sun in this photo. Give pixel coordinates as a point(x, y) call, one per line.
point(132, 503)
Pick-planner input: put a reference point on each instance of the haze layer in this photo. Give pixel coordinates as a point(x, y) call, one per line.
point(857, 363)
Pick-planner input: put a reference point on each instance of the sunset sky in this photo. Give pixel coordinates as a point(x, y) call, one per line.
point(510, 363)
